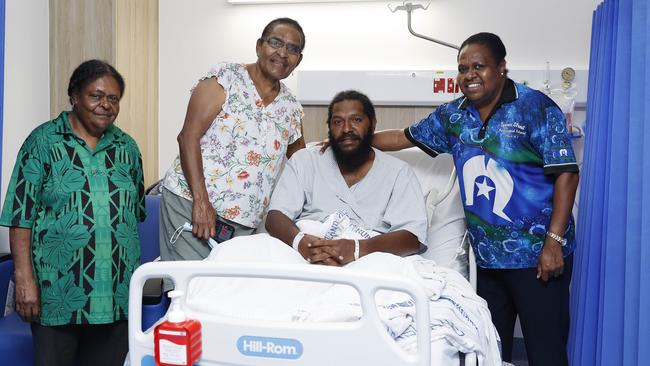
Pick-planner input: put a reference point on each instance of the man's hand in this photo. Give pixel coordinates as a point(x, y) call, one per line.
point(315, 252)
point(204, 219)
point(27, 298)
point(551, 261)
point(342, 250)
point(315, 256)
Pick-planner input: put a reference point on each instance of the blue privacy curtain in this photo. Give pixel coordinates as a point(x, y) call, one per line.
point(610, 298)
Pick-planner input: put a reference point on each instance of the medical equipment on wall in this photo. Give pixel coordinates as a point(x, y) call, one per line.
point(564, 97)
point(409, 6)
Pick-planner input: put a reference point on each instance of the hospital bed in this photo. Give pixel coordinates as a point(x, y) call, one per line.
point(446, 232)
point(363, 342)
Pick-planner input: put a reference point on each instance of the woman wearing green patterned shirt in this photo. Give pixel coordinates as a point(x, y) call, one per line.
point(73, 203)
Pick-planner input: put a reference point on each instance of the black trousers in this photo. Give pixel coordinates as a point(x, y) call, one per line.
point(81, 345)
point(543, 309)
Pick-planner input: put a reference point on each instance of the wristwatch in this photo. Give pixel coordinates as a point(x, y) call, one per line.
point(557, 238)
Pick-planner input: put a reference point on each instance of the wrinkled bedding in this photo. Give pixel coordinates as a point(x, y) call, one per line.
point(460, 320)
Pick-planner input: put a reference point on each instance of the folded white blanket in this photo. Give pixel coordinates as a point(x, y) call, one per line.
point(336, 226)
point(459, 318)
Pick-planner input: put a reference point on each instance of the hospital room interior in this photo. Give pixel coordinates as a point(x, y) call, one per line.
point(254, 300)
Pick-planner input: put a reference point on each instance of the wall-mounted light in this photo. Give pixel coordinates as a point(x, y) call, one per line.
point(260, 2)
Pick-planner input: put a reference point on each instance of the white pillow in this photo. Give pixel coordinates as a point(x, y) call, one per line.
point(447, 230)
point(445, 213)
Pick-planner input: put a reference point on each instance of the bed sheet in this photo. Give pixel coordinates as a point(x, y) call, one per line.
point(459, 319)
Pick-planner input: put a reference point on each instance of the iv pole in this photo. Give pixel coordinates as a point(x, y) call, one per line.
point(409, 7)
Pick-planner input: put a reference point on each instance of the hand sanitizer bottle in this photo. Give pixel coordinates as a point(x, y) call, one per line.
point(177, 341)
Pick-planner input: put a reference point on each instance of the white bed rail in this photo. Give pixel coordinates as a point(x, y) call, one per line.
point(364, 342)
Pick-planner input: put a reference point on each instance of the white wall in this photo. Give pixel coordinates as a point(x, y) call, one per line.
point(26, 83)
point(194, 34)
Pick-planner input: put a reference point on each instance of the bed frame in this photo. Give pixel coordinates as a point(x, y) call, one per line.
point(237, 342)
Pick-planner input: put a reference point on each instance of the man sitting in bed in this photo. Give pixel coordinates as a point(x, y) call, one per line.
point(367, 187)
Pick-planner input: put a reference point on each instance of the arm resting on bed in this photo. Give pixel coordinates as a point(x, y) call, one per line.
point(399, 242)
point(280, 226)
point(339, 251)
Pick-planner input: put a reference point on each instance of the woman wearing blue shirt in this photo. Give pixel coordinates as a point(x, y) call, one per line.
point(518, 178)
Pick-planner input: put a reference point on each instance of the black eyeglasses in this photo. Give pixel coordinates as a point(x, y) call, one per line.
point(278, 43)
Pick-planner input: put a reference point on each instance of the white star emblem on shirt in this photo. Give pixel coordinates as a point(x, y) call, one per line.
point(484, 189)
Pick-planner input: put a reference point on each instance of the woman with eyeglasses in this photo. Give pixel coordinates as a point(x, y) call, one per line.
point(240, 123)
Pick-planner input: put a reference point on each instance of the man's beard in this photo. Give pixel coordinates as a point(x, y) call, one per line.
point(355, 158)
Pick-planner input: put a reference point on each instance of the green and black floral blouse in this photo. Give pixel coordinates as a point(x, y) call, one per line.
point(83, 208)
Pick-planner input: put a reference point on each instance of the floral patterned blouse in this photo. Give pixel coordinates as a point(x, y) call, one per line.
point(243, 148)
